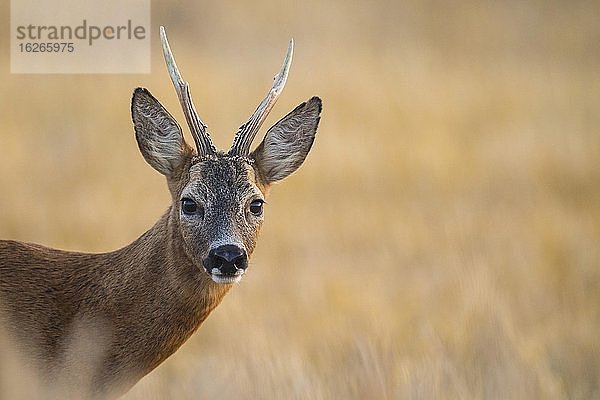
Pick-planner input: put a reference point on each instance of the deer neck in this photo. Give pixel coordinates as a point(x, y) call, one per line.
point(168, 287)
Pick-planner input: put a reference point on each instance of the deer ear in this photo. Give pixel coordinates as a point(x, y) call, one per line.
point(288, 142)
point(158, 135)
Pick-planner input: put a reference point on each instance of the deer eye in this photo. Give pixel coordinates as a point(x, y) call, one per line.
point(256, 207)
point(188, 206)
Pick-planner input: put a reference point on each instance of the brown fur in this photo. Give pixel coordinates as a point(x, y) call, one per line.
point(148, 296)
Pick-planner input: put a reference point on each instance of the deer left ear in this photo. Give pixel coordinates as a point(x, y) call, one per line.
point(288, 142)
point(159, 136)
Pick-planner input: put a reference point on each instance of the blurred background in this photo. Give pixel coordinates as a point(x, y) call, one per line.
point(442, 238)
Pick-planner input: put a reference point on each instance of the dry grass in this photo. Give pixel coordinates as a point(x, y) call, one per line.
point(440, 242)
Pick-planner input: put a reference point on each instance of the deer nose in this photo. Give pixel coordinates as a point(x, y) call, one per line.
point(228, 259)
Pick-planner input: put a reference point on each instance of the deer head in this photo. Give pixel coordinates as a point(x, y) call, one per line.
point(218, 197)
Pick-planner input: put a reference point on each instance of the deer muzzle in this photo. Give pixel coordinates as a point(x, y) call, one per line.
point(226, 263)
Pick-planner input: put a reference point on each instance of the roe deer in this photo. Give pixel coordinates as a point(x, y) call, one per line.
point(142, 302)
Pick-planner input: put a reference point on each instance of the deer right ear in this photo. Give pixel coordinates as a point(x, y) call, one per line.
point(288, 142)
point(158, 135)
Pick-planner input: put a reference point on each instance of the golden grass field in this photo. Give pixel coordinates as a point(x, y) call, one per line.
point(442, 241)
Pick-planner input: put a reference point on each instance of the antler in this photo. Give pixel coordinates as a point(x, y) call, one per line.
point(245, 135)
point(198, 128)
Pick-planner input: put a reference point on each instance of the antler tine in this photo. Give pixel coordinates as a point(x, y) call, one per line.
point(198, 128)
point(245, 135)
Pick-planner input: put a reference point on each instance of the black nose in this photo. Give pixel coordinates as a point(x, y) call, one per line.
point(228, 258)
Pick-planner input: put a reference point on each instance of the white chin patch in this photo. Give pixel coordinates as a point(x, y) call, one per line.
point(218, 277)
